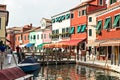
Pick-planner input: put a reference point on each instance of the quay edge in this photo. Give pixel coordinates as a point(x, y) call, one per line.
point(100, 66)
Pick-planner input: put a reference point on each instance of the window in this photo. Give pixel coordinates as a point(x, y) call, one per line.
point(112, 1)
point(72, 30)
point(37, 36)
point(107, 24)
point(83, 28)
point(0, 23)
point(41, 36)
point(83, 12)
point(53, 32)
point(79, 13)
point(67, 16)
point(57, 31)
point(24, 37)
point(72, 15)
point(101, 2)
point(28, 37)
point(99, 25)
point(78, 29)
point(34, 37)
point(90, 19)
point(44, 36)
point(116, 21)
point(67, 29)
point(90, 32)
point(63, 30)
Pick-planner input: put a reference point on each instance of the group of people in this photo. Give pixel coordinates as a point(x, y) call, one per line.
point(6, 52)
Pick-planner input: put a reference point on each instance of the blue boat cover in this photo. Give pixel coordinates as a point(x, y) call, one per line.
point(29, 45)
point(29, 60)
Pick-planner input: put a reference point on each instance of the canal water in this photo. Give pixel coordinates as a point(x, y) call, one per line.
point(75, 72)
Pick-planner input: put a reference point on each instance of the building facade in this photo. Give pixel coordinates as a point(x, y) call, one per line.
point(4, 15)
point(60, 27)
point(108, 28)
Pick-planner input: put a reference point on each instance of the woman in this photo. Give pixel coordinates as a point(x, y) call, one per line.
point(9, 55)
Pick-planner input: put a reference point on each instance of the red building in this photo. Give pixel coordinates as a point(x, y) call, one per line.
point(108, 31)
point(79, 20)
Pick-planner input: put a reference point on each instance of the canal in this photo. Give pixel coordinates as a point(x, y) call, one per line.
point(75, 72)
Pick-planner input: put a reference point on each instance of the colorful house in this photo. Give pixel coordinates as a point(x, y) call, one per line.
point(108, 30)
point(60, 27)
point(92, 22)
point(4, 14)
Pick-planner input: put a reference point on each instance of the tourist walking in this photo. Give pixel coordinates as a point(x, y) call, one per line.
point(9, 55)
point(18, 54)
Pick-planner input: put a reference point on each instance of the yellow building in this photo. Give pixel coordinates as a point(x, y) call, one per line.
point(3, 22)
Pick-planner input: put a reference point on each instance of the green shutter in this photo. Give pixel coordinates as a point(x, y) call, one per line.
point(83, 28)
point(72, 30)
point(63, 17)
point(117, 18)
point(99, 25)
point(106, 23)
point(57, 19)
point(53, 20)
point(78, 29)
point(67, 16)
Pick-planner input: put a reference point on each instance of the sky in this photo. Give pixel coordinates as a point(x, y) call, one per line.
point(23, 12)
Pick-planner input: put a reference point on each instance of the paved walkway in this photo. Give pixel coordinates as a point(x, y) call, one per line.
point(6, 65)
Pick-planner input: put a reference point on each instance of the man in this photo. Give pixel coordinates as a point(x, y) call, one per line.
point(18, 54)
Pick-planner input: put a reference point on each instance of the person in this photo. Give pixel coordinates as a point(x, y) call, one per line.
point(18, 54)
point(2, 55)
point(80, 54)
point(9, 55)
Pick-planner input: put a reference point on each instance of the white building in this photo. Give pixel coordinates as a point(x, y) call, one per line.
point(60, 27)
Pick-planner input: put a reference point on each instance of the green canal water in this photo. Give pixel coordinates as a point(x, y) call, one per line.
point(75, 72)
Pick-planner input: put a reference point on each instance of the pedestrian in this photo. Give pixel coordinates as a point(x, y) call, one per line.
point(2, 55)
point(80, 54)
point(9, 55)
point(18, 54)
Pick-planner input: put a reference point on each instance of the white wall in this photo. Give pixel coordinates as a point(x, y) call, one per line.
point(92, 25)
point(59, 25)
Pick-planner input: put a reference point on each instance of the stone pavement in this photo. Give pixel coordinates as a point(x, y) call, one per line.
point(6, 65)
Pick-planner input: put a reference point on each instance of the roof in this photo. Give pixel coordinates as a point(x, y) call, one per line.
point(15, 28)
point(80, 5)
point(47, 20)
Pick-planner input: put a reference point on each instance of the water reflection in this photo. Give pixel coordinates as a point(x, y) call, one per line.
point(76, 72)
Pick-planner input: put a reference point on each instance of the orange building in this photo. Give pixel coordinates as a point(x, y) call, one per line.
point(79, 20)
point(108, 31)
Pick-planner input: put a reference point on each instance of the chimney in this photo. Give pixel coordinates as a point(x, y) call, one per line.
point(30, 24)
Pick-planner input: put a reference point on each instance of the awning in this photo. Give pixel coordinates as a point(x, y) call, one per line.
point(41, 45)
point(51, 45)
point(106, 23)
point(61, 44)
point(99, 25)
point(96, 43)
point(23, 45)
point(117, 18)
point(29, 45)
point(111, 43)
point(74, 42)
